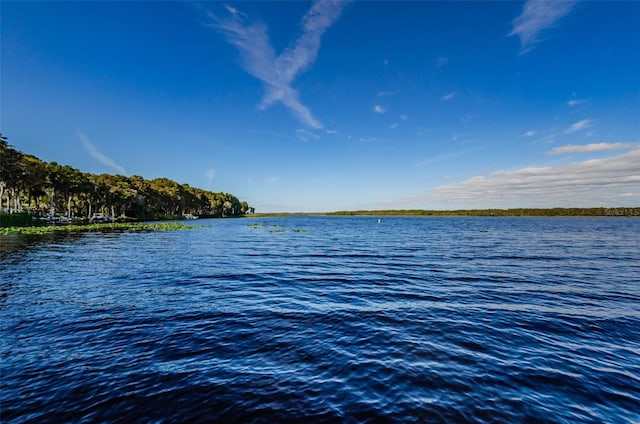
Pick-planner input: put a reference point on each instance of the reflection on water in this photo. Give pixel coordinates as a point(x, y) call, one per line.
point(13, 246)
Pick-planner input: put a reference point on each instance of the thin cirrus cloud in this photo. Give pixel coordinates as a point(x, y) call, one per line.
point(97, 155)
point(596, 182)
point(272, 179)
point(306, 135)
point(441, 62)
point(593, 147)
point(448, 96)
point(537, 16)
point(379, 109)
point(258, 57)
point(578, 126)
point(388, 93)
point(210, 173)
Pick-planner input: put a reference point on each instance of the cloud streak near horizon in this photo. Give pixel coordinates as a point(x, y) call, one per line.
point(258, 57)
point(596, 182)
point(103, 159)
point(537, 16)
point(593, 147)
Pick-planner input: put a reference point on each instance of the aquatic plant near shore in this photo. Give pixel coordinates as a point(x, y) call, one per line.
point(116, 226)
point(256, 226)
point(275, 228)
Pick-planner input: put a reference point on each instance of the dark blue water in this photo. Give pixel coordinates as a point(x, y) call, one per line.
point(326, 320)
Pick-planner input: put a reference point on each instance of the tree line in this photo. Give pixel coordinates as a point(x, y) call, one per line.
point(28, 184)
point(616, 211)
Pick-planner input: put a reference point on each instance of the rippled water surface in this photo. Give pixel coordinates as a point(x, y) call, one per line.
point(326, 320)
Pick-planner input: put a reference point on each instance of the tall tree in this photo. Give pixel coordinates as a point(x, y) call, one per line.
point(25, 178)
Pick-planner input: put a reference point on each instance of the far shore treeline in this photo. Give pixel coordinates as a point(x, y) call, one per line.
point(529, 212)
point(30, 185)
point(618, 211)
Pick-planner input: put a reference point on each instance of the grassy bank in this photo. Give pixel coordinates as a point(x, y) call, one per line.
point(116, 226)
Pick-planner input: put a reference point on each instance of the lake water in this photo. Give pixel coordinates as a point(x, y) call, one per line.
point(314, 319)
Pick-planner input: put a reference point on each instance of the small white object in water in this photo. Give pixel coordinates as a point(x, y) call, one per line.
point(379, 221)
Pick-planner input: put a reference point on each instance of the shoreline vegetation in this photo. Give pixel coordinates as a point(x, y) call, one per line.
point(516, 212)
point(103, 227)
point(35, 193)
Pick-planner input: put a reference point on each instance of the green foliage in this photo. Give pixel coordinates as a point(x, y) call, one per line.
point(117, 226)
point(275, 228)
point(16, 219)
point(43, 188)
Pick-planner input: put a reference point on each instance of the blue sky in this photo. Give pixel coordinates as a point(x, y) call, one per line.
point(321, 106)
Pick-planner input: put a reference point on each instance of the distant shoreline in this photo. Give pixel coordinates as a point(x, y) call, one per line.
point(518, 212)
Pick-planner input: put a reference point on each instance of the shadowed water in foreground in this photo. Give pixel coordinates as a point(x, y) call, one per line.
point(326, 320)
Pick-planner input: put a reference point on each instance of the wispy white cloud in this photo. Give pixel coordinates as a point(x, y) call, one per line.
point(272, 179)
point(210, 173)
point(394, 125)
point(331, 132)
point(577, 126)
point(575, 102)
point(537, 16)
point(369, 139)
point(235, 12)
point(277, 73)
point(443, 157)
point(103, 159)
point(541, 137)
point(593, 147)
point(306, 135)
point(404, 117)
point(448, 96)
point(597, 182)
point(379, 109)
point(388, 93)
